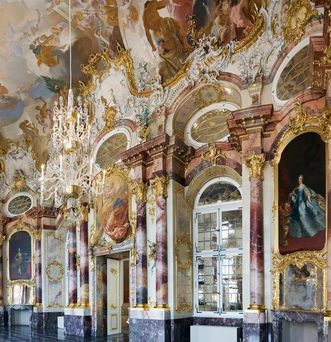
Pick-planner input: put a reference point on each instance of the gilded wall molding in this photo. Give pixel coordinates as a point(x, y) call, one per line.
point(54, 265)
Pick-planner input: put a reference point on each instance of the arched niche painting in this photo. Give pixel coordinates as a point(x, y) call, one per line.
point(20, 256)
point(302, 195)
point(112, 208)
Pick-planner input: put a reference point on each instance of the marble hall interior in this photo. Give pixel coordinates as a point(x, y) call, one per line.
point(165, 170)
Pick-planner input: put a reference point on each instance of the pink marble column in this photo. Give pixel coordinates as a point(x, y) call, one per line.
point(141, 255)
point(84, 263)
point(72, 264)
point(37, 268)
point(255, 164)
point(161, 266)
point(256, 244)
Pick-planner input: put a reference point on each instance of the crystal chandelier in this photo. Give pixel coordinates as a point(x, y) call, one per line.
point(70, 175)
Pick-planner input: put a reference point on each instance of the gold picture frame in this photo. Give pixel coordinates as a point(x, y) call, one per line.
point(300, 122)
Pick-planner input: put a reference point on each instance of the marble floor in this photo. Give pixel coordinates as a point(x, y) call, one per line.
point(24, 333)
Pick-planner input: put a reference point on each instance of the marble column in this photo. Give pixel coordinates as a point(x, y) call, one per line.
point(255, 327)
point(255, 164)
point(159, 185)
point(141, 245)
point(72, 264)
point(38, 268)
point(84, 259)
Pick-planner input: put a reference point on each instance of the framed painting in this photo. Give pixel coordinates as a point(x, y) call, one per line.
point(302, 195)
point(113, 207)
point(20, 250)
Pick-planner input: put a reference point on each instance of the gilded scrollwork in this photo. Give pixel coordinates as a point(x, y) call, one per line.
point(281, 263)
point(57, 267)
point(212, 154)
point(299, 14)
point(183, 251)
point(300, 121)
point(140, 191)
point(109, 117)
point(160, 186)
point(255, 165)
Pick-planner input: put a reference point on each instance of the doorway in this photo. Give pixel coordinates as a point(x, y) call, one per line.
point(118, 290)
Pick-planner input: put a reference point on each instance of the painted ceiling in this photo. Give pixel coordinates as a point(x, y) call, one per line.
point(161, 37)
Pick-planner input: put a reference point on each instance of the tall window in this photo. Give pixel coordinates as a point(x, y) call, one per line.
point(218, 248)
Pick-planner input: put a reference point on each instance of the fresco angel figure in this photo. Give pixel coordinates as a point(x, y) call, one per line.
point(308, 211)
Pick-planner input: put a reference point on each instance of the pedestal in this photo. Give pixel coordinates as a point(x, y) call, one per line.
point(77, 322)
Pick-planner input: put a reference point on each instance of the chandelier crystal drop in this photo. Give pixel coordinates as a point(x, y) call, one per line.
point(71, 176)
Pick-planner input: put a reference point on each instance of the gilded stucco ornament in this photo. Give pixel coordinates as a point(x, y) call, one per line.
point(160, 186)
point(152, 253)
point(84, 211)
point(212, 154)
point(55, 271)
point(109, 116)
point(140, 191)
point(255, 165)
point(300, 121)
point(281, 262)
point(299, 14)
point(183, 252)
point(257, 61)
point(297, 122)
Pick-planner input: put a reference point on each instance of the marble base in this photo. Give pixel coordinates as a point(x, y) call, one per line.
point(298, 317)
point(253, 332)
point(77, 325)
point(45, 320)
point(156, 330)
point(173, 330)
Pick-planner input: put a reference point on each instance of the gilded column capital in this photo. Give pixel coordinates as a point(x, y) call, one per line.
point(140, 191)
point(84, 210)
point(255, 164)
point(160, 186)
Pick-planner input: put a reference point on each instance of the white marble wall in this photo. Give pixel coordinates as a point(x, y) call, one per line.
point(53, 250)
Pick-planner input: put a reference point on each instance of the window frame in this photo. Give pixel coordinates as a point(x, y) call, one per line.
point(219, 207)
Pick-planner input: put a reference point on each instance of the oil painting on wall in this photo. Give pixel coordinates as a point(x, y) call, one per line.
point(20, 256)
point(112, 209)
point(302, 217)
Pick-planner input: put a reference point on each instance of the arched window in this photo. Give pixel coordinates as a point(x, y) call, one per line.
point(218, 248)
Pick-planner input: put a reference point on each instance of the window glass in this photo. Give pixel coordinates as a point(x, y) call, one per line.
point(207, 284)
point(231, 233)
point(231, 270)
point(220, 191)
point(207, 231)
